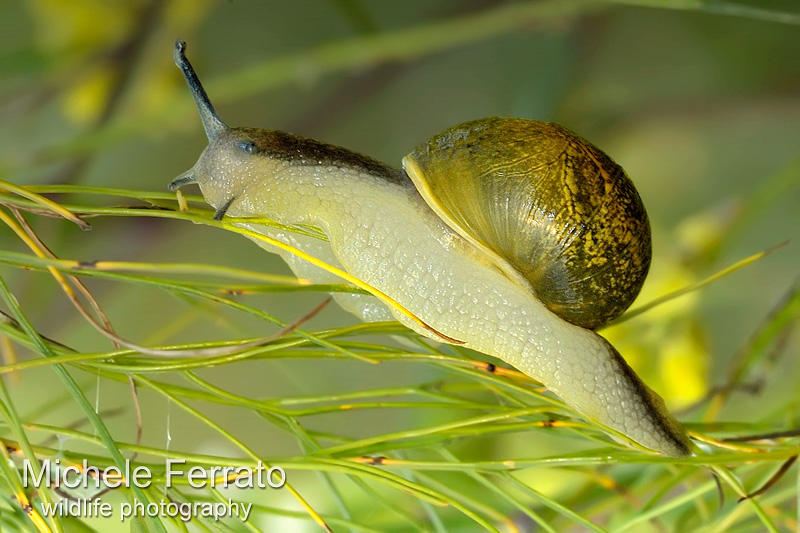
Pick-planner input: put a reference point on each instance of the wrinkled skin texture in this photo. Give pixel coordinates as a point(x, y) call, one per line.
point(381, 231)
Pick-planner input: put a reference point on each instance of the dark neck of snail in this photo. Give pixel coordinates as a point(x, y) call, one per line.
point(303, 151)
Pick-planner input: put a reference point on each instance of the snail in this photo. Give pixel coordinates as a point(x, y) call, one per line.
point(513, 237)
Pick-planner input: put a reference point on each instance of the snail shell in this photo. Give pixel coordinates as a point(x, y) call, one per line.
point(550, 209)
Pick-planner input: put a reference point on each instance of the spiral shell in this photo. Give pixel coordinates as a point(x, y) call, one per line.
point(548, 208)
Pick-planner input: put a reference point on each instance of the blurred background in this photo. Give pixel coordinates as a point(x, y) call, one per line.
point(700, 105)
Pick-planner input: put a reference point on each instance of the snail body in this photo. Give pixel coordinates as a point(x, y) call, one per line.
point(398, 232)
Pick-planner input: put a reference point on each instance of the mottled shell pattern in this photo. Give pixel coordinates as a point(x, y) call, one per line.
point(546, 206)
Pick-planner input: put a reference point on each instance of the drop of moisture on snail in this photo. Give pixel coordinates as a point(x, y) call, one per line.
point(514, 237)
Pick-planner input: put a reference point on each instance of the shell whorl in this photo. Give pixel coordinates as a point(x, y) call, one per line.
point(547, 206)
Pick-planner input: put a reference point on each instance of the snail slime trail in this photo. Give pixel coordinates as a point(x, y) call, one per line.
point(516, 237)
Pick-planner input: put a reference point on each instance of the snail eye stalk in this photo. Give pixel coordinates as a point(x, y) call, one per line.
point(211, 121)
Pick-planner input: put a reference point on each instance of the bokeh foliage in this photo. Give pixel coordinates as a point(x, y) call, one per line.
point(698, 100)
